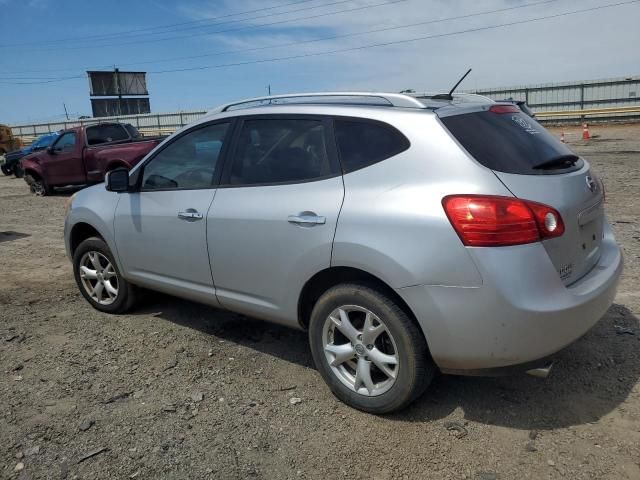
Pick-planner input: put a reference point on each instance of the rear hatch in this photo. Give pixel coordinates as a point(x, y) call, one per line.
point(534, 165)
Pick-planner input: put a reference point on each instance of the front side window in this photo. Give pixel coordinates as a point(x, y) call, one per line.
point(362, 143)
point(66, 142)
point(106, 134)
point(187, 163)
point(280, 150)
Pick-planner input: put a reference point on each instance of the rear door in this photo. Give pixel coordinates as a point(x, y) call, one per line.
point(273, 219)
point(536, 166)
point(64, 164)
point(160, 230)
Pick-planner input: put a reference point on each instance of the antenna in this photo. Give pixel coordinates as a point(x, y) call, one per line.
point(449, 96)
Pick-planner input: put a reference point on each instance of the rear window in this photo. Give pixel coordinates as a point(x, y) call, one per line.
point(510, 142)
point(362, 143)
point(133, 131)
point(106, 134)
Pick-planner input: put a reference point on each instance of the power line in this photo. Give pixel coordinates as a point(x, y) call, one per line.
point(382, 44)
point(334, 37)
point(301, 42)
point(248, 27)
point(137, 30)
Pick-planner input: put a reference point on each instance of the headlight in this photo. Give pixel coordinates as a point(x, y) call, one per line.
point(68, 205)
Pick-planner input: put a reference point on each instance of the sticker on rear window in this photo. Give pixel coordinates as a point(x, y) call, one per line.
point(526, 126)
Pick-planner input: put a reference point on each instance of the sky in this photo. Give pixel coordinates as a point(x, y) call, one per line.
point(241, 47)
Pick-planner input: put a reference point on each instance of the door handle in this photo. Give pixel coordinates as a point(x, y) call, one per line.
point(190, 215)
point(307, 218)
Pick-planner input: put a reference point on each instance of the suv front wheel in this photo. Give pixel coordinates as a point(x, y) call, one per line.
point(368, 350)
point(98, 277)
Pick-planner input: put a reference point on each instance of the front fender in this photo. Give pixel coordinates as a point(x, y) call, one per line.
point(96, 207)
point(30, 164)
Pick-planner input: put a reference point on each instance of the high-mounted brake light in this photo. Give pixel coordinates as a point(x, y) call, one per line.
point(493, 221)
point(504, 109)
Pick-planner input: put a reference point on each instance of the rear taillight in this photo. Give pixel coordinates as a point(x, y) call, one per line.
point(504, 109)
point(492, 221)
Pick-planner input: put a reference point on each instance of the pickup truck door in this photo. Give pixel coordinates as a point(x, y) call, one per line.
point(160, 230)
point(64, 164)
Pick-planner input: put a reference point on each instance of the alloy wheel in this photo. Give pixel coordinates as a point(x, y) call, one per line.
point(360, 350)
point(99, 277)
point(37, 187)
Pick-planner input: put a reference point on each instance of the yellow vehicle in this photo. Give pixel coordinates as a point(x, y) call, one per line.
point(8, 143)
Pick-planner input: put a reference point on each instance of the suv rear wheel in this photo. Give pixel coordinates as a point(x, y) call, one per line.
point(368, 350)
point(98, 277)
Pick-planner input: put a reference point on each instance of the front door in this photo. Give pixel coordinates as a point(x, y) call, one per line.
point(64, 164)
point(160, 230)
point(273, 219)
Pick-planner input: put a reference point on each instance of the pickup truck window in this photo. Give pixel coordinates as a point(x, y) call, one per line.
point(67, 141)
point(105, 134)
point(187, 163)
point(133, 131)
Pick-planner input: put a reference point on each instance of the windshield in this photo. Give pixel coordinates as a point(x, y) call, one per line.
point(44, 141)
point(510, 141)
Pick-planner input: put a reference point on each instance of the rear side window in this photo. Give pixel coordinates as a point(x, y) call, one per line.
point(509, 142)
point(362, 143)
point(281, 150)
point(106, 134)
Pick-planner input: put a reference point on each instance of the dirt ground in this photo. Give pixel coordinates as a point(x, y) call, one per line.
point(180, 390)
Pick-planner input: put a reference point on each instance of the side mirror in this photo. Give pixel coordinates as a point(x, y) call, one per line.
point(51, 151)
point(117, 180)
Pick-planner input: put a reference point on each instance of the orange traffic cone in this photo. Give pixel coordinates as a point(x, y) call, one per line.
point(562, 137)
point(585, 132)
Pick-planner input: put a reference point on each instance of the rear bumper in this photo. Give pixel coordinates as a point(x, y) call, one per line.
point(522, 313)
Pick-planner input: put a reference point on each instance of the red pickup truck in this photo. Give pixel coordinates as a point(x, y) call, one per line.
point(82, 155)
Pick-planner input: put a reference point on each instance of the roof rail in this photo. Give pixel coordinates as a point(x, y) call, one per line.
point(346, 98)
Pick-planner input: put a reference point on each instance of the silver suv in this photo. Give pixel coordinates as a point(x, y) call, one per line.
point(408, 236)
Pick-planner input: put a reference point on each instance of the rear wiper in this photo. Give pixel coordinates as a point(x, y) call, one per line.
point(566, 161)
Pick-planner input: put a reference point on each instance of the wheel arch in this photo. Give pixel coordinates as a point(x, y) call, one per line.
point(117, 163)
point(79, 233)
point(332, 276)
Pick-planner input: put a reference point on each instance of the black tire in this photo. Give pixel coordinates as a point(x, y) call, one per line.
point(125, 297)
point(7, 170)
point(415, 368)
point(38, 186)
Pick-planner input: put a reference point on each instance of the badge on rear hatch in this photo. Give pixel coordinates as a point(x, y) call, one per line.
point(591, 183)
point(526, 126)
point(565, 271)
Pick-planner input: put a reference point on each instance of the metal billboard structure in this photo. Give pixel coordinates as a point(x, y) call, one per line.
point(126, 93)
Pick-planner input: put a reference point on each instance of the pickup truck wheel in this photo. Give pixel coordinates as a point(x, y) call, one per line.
point(6, 170)
point(368, 350)
point(39, 187)
point(98, 278)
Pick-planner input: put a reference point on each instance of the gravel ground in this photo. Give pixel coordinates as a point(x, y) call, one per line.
point(179, 390)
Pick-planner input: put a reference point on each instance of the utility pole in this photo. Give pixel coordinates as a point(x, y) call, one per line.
point(269, 89)
point(65, 111)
